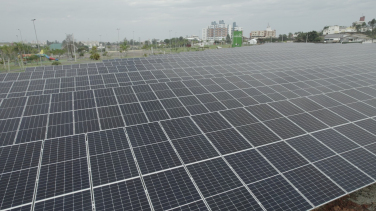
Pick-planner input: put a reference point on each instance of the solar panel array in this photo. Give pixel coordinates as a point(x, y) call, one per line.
point(272, 127)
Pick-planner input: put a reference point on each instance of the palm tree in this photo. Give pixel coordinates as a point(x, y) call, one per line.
point(2, 52)
point(18, 48)
point(372, 23)
point(8, 53)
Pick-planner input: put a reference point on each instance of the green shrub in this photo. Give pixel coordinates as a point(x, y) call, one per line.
point(56, 63)
point(95, 56)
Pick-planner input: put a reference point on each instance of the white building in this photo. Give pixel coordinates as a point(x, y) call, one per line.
point(252, 41)
point(193, 37)
point(331, 30)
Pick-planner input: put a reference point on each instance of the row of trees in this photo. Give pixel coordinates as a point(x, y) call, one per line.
point(10, 53)
point(312, 36)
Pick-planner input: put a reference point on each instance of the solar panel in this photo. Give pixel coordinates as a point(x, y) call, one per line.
point(254, 128)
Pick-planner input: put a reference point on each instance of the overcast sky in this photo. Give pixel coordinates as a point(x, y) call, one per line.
point(154, 18)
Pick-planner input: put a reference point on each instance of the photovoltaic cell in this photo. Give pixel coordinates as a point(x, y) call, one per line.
point(276, 189)
point(310, 148)
point(238, 199)
point(228, 141)
point(75, 201)
point(264, 112)
point(198, 205)
point(357, 134)
point(156, 157)
point(112, 167)
point(313, 184)
point(17, 187)
point(19, 156)
point(128, 195)
point(213, 177)
point(284, 128)
point(63, 149)
point(258, 134)
point(335, 141)
point(363, 159)
point(211, 122)
point(328, 117)
point(107, 141)
point(194, 148)
point(170, 189)
point(343, 173)
point(282, 156)
point(238, 117)
point(250, 166)
point(178, 128)
point(63, 177)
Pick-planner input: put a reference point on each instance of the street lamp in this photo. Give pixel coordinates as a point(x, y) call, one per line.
point(100, 38)
point(118, 42)
point(37, 40)
point(20, 35)
point(21, 39)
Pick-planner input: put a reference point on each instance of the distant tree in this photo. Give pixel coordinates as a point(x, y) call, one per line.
point(124, 46)
point(282, 37)
point(94, 55)
point(358, 27)
point(372, 24)
point(228, 39)
point(290, 35)
point(46, 49)
point(33, 58)
point(313, 36)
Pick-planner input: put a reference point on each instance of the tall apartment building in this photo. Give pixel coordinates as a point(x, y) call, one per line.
point(264, 34)
point(217, 31)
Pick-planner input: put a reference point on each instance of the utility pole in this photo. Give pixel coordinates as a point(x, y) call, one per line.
point(133, 41)
point(306, 38)
point(118, 42)
point(74, 48)
point(40, 57)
